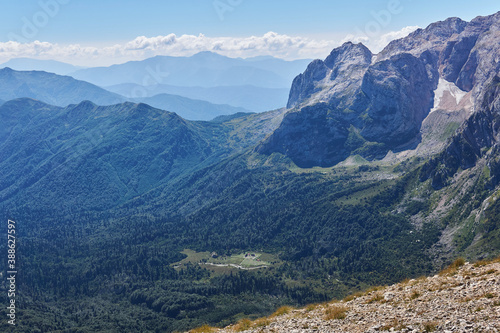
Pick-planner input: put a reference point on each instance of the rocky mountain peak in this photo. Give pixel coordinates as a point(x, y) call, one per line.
point(432, 38)
point(324, 81)
point(349, 53)
point(371, 106)
point(7, 73)
point(444, 29)
point(486, 22)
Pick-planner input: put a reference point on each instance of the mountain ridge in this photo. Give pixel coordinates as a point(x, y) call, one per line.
point(387, 98)
point(51, 66)
point(52, 88)
point(237, 96)
point(64, 90)
point(190, 109)
point(205, 69)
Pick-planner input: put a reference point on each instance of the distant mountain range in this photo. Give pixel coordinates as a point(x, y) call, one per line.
point(205, 69)
point(239, 85)
point(191, 109)
point(64, 90)
point(256, 84)
point(51, 66)
point(256, 99)
point(52, 89)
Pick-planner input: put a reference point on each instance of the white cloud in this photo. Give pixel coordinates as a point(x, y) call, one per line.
point(271, 43)
point(377, 43)
point(385, 39)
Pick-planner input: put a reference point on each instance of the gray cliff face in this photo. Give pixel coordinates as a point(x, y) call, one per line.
point(399, 96)
point(304, 85)
point(373, 104)
point(322, 135)
point(467, 52)
point(433, 39)
point(484, 59)
point(455, 56)
point(366, 109)
point(471, 58)
point(326, 81)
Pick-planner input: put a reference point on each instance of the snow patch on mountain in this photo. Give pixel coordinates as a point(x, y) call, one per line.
point(447, 96)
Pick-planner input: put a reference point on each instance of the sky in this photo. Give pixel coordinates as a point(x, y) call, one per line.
point(104, 32)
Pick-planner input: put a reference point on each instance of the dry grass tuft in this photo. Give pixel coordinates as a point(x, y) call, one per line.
point(375, 298)
point(481, 263)
point(203, 329)
point(282, 311)
point(459, 262)
point(414, 295)
point(261, 322)
point(243, 325)
point(376, 288)
point(405, 281)
point(353, 296)
point(394, 323)
point(311, 307)
point(430, 326)
point(336, 312)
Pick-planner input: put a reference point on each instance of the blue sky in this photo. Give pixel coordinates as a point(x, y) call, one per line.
point(100, 24)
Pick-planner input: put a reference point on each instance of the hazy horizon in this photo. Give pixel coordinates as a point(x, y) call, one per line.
point(103, 34)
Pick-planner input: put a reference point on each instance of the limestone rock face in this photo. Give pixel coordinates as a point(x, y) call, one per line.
point(399, 95)
point(355, 102)
point(328, 81)
point(322, 135)
point(434, 39)
point(303, 86)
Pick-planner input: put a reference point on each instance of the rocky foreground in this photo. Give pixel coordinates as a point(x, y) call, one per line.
point(463, 298)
